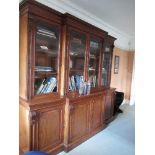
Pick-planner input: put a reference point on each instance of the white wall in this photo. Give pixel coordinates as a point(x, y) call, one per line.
point(132, 99)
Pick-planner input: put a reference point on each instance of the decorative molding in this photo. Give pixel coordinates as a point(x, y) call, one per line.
point(123, 41)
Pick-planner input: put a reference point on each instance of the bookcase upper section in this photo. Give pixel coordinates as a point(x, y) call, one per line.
point(89, 54)
point(58, 52)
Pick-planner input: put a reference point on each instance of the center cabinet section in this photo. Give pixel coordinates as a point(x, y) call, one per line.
point(84, 53)
point(83, 118)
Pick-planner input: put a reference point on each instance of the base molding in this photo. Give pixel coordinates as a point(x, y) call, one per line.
point(68, 147)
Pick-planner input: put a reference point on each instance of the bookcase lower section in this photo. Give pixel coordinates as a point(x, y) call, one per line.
point(41, 126)
point(54, 126)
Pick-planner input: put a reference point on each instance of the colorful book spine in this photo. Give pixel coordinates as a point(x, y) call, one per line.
point(52, 85)
point(41, 87)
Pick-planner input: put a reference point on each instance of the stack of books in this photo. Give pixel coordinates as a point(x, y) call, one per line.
point(91, 69)
point(75, 82)
point(77, 41)
point(43, 69)
point(45, 32)
point(92, 56)
point(94, 44)
point(47, 85)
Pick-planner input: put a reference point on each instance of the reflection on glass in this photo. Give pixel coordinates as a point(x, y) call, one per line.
point(105, 66)
point(46, 59)
point(77, 59)
point(94, 52)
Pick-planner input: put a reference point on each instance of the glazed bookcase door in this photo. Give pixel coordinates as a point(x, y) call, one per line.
point(77, 53)
point(46, 67)
point(106, 66)
point(94, 62)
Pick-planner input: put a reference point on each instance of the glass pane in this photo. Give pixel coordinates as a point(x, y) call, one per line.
point(46, 59)
point(105, 66)
point(93, 69)
point(77, 59)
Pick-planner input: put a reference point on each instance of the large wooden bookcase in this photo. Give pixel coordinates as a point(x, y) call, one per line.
point(56, 52)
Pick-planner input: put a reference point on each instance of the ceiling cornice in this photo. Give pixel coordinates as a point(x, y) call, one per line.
point(123, 41)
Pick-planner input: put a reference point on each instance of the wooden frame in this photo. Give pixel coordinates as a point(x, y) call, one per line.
point(51, 122)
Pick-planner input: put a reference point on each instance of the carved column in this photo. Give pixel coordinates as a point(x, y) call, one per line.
point(34, 117)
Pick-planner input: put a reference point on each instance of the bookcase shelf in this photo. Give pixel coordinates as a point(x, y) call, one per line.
point(44, 74)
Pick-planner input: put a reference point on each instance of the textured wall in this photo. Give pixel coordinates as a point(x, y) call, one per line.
point(122, 80)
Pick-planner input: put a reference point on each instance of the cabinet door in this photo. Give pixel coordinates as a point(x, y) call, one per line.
point(77, 63)
point(109, 106)
point(94, 61)
point(44, 58)
point(97, 112)
point(49, 129)
point(106, 66)
point(78, 120)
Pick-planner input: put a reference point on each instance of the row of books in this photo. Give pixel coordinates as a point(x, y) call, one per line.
point(47, 85)
point(77, 53)
point(43, 69)
point(76, 40)
point(94, 44)
point(75, 82)
point(91, 69)
point(45, 32)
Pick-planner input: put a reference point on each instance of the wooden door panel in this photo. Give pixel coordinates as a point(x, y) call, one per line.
point(96, 112)
point(109, 104)
point(50, 128)
point(108, 107)
point(78, 121)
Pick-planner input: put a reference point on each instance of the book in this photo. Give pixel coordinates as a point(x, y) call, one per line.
point(44, 87)
point(49, 80)
point(73, 83)
point(43, 69)
point(52, 85)
point(77, 41)
point(45, 32)
point(40, 87)
point(70, 86)
point(92, 80)
point(77, 81)
point(94, 44)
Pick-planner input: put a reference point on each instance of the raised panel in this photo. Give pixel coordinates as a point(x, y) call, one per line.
point(107, 106)
point(97, 115)
point(50, 128)
point(78, 123)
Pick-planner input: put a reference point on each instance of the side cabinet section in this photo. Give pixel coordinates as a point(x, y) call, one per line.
point(47, 128)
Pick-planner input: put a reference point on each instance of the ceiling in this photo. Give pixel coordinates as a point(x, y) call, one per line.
point(120, 14)
point(117, 17)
